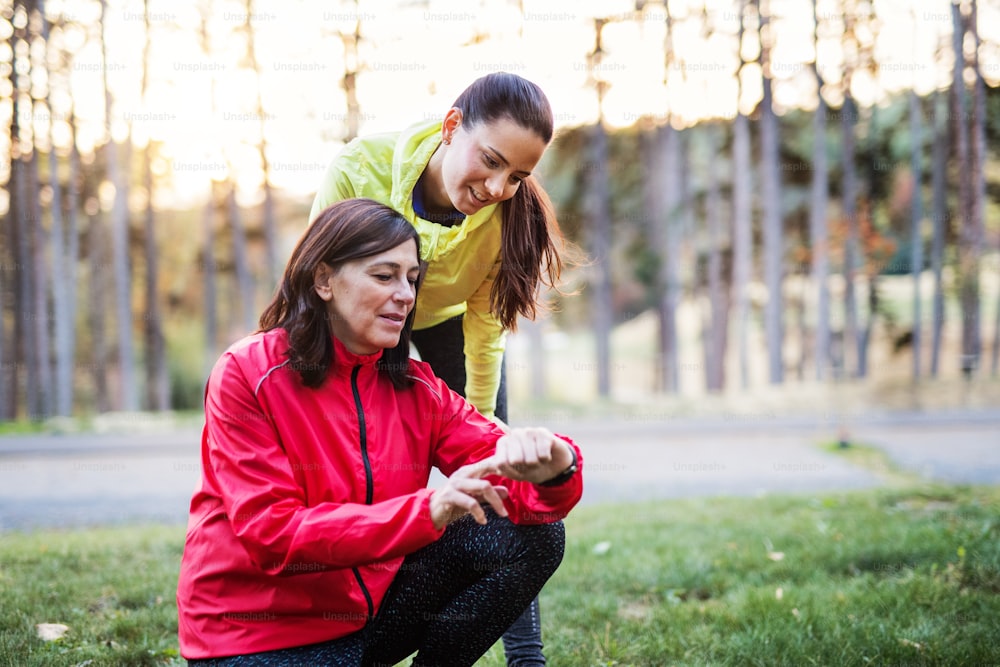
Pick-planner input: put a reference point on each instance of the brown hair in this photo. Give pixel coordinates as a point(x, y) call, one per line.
point(346, 230)
point(530, 239)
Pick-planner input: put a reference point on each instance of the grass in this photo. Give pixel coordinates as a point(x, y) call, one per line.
point(898, 576)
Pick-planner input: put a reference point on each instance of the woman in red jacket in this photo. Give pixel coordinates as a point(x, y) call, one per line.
point(313, 538)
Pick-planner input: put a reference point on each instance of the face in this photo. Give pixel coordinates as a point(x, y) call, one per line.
point(484, 164)
point(368, 299)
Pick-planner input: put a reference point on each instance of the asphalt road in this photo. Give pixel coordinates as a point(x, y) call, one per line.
point(84, 480)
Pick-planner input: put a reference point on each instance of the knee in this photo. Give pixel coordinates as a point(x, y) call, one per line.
point(544, 544)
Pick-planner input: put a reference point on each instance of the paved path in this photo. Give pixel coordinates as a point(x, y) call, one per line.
point(79, 480)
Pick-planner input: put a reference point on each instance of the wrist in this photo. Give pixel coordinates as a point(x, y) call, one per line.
point(567, 473)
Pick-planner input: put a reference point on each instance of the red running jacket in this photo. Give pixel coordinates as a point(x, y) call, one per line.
point(310, 498)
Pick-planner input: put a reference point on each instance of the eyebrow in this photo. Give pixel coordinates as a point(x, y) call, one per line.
point(394, 266)
point(506, 161)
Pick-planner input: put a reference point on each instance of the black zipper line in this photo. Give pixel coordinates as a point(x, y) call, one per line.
point(368, 475)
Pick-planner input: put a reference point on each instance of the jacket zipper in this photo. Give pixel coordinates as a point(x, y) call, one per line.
point(368, 474)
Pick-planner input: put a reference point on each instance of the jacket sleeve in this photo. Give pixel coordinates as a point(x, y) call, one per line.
point(485, 341)
point(466, 436)
point(266, 507)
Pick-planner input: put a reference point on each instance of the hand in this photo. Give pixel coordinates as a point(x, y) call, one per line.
point(531, 454)
point(463, 493)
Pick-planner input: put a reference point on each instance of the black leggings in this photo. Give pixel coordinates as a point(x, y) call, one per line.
point(450, 601)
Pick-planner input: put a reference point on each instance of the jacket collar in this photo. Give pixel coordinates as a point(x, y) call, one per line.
point(414, 148)
point(344, 360)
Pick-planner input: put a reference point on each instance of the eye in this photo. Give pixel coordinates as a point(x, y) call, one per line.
point(515, 180)
point(384, 277)
point(490, 162)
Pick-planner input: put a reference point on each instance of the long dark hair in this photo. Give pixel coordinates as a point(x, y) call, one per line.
point(531, 243)
point(346, 230)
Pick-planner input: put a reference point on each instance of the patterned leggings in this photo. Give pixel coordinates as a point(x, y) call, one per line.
point(450, 601)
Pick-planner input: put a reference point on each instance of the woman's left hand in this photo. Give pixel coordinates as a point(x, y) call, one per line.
point(531, 455)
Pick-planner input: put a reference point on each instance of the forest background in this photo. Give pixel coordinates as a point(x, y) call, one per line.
point(772, 193)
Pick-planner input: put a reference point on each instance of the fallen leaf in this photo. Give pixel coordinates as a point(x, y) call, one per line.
point(776, 555)
point(602, 548)
point(779, 593)
point(51, 631)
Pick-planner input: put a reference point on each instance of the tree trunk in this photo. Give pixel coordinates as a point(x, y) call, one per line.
point(72, 246)
point(349, 83)
point(97, 239)
point(916, 221)
point(669, 254)
point(20, 210)
point(209, 266)
point(62, 265)
point(976, 223)
point(742, 219)
point(40, 242)
point(129, 400)
point(715, 343)
point(773, 236)
point(850, 206)
point(45, 405)
point(819, 198)
point(968, 259)
point(601, 245)
point(272, 273)
point(742, 241)
point(157, 375)
point(241, 264)
point(534, 330)
point(939, 218)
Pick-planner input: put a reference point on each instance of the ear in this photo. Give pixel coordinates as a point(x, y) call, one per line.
point(452, 120)
point(321, 281)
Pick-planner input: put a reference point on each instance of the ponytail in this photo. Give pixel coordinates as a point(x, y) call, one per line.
point(530, 244)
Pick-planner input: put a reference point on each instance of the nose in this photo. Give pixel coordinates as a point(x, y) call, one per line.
point(494, 186)
point(405, 293)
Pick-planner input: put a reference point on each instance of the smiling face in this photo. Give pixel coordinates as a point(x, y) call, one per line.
point(485, 163)
point(368, 299)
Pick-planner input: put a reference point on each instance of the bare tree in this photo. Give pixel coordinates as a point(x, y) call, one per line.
point(849, 195)
point(742, 219)
point(820, 265)
point(208, 267)
point(96, 314)
point(773, 236)
point(939, 222)
point(271, 273)
point(352, 68)
point(601, 225)
point(157, 376)
point(916, 221)
point(718, 333)
point(969, 240)
point(25, 343)
point(119, 242)
point(63, 262)
point(241, 265)
point(40, 243)
point(977, 221)
point(666, 186)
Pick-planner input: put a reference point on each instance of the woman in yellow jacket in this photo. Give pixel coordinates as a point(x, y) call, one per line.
point(488, 235)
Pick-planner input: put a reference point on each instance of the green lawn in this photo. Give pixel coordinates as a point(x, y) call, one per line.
point(893, 577)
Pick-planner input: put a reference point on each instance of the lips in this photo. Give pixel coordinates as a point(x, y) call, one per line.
point(477, 197)
point(395, 318)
